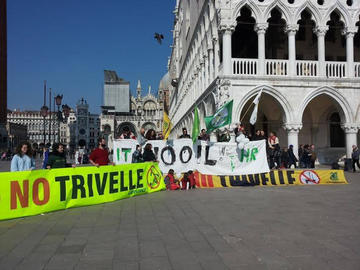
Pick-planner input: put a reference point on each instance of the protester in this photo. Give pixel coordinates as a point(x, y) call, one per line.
point(171, 182)
point(185, 134)
point(185, 181)
point(100, 155)
point(257, 136)
point(285, 158)
point(78, 157)
point(141, 138)
point(355, 157)
point(148, 154)
point(313, 156)
point(23, 160)
point(300, 154)
point(137, 156)
point(262, 135)
point(45, 156)
point(305, 159)
point(203, 136)
point(192, 179)
point(160, 136)
point(274, 151)
point(57, 158)
point(127, 134)
point(292, 157)
point(150, 135)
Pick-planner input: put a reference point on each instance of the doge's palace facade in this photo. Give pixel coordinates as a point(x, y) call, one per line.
point(303, 54)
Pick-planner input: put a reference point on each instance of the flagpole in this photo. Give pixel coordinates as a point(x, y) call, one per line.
point(246, 112)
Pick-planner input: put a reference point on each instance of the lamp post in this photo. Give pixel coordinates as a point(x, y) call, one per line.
point(58, 100)
point(44, 111)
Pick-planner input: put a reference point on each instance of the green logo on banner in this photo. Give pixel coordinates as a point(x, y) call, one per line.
point(334, 176)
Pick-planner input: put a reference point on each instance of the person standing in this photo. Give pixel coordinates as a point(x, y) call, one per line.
point(300, 155)
point(45, 156)
point(137, 156)
point(141, 138)
point(292, 157)
point(23, 160)
point(274, 148)
point(148, 154)
point(185, 134)
point(100, 156)
point(313, 156)
point(127, 134)
point(355, 157)
point(203, 136)
point(57, 158)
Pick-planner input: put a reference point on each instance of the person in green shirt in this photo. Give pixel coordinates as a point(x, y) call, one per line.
point(57, 158)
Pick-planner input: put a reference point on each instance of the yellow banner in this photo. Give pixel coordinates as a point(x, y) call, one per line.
point(40, 191)
point(167, 126)
point(273, 178)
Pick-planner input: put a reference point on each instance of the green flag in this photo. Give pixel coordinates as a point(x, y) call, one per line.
point(221, 118)
point(196, 125)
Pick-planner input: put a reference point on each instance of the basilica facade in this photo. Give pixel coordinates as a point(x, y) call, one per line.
point(303, 54)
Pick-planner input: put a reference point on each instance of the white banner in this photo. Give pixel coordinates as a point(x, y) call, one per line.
point(182, 155)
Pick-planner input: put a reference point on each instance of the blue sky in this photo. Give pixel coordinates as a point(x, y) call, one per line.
point(70, 42)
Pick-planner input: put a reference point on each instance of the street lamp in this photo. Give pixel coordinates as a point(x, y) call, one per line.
point(44, 111)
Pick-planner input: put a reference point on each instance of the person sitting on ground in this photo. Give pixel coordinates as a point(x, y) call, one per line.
point(137, 156)
point(355, 157)
point(150, 135)
point(292, 157)
point(203, 136)
point(185, 134)
point(57, 158)
point(148, 154)
point(100, 156)
point(184, 181)
point(127, 134)
point(23, 159)
point(171, 182)
point(192, 179)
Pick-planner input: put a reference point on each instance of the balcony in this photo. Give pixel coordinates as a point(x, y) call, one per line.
point(275, 67)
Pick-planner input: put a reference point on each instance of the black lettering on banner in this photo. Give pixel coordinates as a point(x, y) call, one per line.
point(78, 183)
point(281, 177)
point(62, 180)
point(272, 178)
point(131, 185)
point(244, 181)
point(113, 181)
point(207, 160)
point(257, 179)
point(101, 186)
point(251, 179)
point(140, 173)
point(223, 180)
point(172, 153)
point(291, 179)
point(156, 151)
point(89, 183)
point(198, 154)
point(185, 148)
point(122, 182)
point(233, 181)
point(264, 179)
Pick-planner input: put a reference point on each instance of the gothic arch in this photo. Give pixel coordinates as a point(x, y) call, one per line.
point(255, 11)
point(335, 95)
point(283, 10)
point(344, 15)
point(315, 15)
point(285, 105)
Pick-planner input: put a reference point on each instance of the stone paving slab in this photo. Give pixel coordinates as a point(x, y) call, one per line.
point(297, 227)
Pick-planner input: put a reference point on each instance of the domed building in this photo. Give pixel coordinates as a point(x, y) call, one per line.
point(146, 111)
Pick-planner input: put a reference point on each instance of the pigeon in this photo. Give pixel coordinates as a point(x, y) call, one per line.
point(159, 37)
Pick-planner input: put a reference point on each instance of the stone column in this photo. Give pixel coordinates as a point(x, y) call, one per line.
point(216, 56)
point(260, 29)
point(226, 51)
point(291, 31)
point(351, 131)
point(293, 136)
point(350, 33)
point(320, 31)
point(211, 64)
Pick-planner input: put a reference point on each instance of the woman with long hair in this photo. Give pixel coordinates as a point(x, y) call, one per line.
point(150, 135)
point(148, 154)
point(23, 160)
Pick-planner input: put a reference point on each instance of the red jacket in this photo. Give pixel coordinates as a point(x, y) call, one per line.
point(171, 183)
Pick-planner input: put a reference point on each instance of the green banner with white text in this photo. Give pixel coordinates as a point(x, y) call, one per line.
point(34, 192)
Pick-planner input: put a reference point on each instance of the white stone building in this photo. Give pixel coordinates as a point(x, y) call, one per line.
point(304, 54)
point(35, 125)
point(145, 112)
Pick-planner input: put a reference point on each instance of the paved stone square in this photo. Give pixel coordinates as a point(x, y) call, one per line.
point(297, 227)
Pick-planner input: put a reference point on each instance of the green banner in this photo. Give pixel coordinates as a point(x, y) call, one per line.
point(34, 192)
